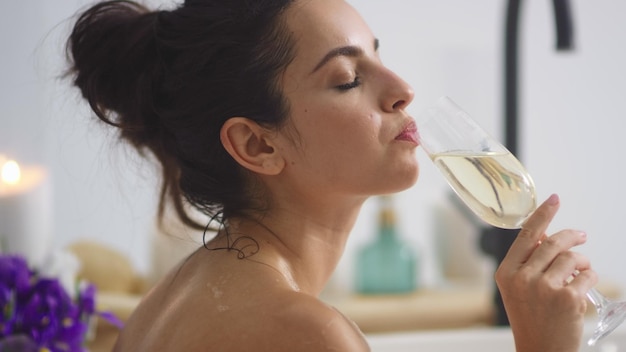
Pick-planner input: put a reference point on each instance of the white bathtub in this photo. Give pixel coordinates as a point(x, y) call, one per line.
point(478, 340)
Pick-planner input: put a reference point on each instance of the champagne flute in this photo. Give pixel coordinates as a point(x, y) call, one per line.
point(492, 183)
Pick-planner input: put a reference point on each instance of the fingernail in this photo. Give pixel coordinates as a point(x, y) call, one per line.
point(553, 200)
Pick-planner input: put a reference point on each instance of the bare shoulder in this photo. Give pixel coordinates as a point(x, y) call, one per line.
point(242, 312)
point(282, 321)
point(304, 323)
point(308, 324)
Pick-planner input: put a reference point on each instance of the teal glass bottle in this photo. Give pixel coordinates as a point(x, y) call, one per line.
point(388, 265)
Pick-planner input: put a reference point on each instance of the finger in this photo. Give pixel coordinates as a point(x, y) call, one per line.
point(552, 247)
point(541, 239)
point(584, 281)
point(565, 265)
point(533, 231)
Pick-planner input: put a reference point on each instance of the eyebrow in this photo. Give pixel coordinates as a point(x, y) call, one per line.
point(351, 51)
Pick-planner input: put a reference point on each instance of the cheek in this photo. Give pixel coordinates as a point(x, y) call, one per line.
point(346, 119)
point(336, 121)
point(349, 139)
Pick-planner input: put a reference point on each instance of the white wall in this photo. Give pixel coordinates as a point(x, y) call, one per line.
point(572, 121)
point(570, 107)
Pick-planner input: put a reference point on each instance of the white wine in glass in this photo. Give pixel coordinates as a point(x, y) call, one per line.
point(492, 183)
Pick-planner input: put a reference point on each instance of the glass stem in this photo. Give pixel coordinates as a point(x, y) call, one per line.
point(598, 300)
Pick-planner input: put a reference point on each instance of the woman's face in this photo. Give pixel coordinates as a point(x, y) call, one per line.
point(353, 135)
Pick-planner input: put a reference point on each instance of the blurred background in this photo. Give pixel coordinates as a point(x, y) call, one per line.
point(571, 126)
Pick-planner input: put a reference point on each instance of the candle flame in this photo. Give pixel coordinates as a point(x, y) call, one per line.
point(10, 172)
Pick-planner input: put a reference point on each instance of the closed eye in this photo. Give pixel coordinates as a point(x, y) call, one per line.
point(350, 85)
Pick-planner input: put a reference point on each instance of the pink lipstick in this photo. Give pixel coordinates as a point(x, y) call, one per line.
point(409, 133)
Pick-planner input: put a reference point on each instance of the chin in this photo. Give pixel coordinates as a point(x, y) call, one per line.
point(410, 175)
point(401, 181)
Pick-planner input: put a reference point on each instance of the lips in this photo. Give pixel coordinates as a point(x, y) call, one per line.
point(409, 133)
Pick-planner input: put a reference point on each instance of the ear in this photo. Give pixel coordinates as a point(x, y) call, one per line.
point(251, 146)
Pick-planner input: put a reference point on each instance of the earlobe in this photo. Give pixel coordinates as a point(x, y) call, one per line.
point(251, 146)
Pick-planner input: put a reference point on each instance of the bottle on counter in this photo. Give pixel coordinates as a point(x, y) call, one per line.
point(388, 265)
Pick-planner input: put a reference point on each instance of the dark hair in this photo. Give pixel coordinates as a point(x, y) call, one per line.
point(170, 79)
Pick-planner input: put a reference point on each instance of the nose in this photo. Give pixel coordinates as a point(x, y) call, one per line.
point(395, 92)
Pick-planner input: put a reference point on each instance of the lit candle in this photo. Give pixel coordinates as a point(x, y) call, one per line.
point(25, 210)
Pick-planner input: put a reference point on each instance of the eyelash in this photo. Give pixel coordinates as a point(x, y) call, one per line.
point(351, 85)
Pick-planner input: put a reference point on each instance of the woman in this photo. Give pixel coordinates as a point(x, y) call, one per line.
point(277, 119)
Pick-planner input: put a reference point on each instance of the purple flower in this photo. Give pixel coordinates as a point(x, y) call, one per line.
point(37, 311)
point(15, 278)
point(87, 298)
point(14, 273)
point(7, 309)
point(51, 317)
point(15, 343)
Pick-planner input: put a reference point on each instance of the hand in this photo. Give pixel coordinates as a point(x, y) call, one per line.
point(543, 285)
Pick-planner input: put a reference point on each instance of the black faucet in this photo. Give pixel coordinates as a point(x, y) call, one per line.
point(495, 241)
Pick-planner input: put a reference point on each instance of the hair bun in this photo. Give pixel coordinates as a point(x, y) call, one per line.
point(112, 52)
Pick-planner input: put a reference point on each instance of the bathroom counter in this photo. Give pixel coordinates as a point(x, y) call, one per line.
point(429, 309)
point(455, 307)
point(422, 310)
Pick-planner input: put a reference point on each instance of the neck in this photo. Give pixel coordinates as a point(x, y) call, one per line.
point(304, 247)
